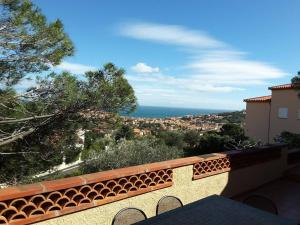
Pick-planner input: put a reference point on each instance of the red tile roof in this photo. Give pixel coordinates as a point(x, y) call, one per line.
point(259, 99)
point(281, 87)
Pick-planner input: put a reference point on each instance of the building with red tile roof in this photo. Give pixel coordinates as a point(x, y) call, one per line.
point(268, 116)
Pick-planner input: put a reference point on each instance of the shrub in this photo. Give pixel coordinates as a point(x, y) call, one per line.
point(124, 132)
point(96, 147)
point(129, 153)
point(191, 138)
point(293, 140)
point(234, 131)
point(172, 138)
point(212, 142)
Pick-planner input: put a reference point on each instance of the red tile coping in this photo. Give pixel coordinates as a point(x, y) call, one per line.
point(281, 87)
point(259, 99)
point(64, 183)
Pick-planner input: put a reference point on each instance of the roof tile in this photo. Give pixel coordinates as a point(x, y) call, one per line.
point(281, 87)
point(259, 99)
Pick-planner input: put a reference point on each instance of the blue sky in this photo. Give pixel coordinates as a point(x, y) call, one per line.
point(191, 53)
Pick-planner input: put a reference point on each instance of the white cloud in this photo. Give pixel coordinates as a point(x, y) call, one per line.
point(233, 71)
point(75, 68)
point(182, 84)
point(170, 34)
point(144, 68)
point(213, 66)
point(162, 96)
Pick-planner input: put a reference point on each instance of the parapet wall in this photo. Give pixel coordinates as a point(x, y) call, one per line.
point(97, 198)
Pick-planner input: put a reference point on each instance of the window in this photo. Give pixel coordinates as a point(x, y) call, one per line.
point(283, 113)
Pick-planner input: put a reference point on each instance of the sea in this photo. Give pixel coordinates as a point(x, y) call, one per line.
point(165, 112)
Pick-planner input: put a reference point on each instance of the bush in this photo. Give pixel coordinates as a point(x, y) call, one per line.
point(293, 140)
point(96, 147)
point(172, 138)
point(124, 132)
point(90, 137)
point(129, 153)
point(234, 131)
point(191, 139)
point(211, 142)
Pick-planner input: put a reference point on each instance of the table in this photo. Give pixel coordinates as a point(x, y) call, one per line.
point(216, 210)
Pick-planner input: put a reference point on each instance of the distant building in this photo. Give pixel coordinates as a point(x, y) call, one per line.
point(268, 116)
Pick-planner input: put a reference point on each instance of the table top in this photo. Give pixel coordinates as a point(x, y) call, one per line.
point(216, 210)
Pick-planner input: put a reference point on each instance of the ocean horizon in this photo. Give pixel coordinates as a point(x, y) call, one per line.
point(165, 112)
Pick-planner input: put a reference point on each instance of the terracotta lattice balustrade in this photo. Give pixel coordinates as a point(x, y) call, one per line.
point(221, 163)
point(54, 201)
point(36, 202)
point(212, 166)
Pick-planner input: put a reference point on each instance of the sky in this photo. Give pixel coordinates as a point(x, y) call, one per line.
point(190, 53)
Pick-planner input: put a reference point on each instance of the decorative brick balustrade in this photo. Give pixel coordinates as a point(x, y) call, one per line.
point(36, 202)
point(31, 203)
point(220, 163)
point(211, 166)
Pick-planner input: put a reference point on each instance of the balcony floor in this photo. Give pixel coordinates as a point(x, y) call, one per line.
point(285, 193)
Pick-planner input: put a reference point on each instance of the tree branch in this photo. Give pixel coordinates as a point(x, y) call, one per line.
point(7, 140)
point(26, 119)
point(16, 153)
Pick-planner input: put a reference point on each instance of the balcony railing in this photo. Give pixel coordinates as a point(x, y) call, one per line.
point(99, 196)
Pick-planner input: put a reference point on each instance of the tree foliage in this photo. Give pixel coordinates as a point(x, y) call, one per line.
point(59, 97)
point(124, 132)
point(28, 43)
point(57, 104)
point(38, 125)
point(230, 137)
point(234, 131)
point(172, 138)
point(192, 139)
point(296, 81)
point(213, 142)
point(292, 139)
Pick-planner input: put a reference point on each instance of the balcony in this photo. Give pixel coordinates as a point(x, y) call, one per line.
point(150, 189)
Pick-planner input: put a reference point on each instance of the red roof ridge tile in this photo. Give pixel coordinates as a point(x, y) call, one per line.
point(281, 87)
point(266, 98)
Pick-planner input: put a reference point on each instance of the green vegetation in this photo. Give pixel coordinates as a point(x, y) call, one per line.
point(28, 44)
point(237, 117)
point(110, 153)
point(124, 132)
point(63, 98)
point(38, 126)
point(293, 140)
point(128, 153)
point(172, 138)
point(193, 142)
point(296, 80)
